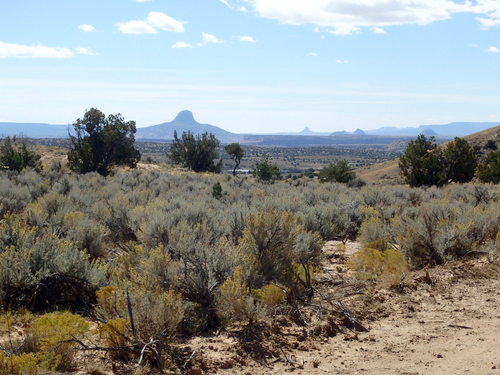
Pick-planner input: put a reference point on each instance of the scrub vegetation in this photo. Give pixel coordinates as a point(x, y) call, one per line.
point(131, 263)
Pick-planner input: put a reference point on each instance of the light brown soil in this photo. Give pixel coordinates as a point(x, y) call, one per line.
point(448, 324)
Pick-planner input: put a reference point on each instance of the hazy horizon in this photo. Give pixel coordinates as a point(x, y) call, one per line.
point(309, 128)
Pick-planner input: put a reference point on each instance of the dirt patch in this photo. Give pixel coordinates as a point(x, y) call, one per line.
point(445, 321)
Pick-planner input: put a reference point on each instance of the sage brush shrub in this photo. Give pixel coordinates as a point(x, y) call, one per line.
point(440, 231)
point(13, 198)
point(157, 233)
point(29, 260)
point(273, 245)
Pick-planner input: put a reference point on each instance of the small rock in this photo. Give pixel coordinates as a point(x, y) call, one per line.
point(226, 365)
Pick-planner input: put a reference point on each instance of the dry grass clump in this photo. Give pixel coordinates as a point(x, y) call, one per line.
point(378, 262)
point(47, 343)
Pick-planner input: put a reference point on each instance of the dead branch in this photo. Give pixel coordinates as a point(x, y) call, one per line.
point(189, 359)
point(353, 322)
point(6, 351)
point(151, 342)
point(459, 326)
point(85, 347)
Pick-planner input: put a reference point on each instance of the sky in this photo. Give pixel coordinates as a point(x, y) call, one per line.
point(252, 65)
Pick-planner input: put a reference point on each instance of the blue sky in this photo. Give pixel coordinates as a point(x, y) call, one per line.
point(252, 65)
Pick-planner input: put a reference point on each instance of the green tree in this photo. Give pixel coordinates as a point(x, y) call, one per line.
point(340, 171)
point(489, 169)
point(265, 170)
point(217, 192)
point(15, 155)
point(197, 153)
point(422, 163)
point(460, 161)
point(99, 143)
point(236, 152)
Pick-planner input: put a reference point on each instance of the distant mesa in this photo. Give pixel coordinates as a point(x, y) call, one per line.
point(306, 131)
point(454, 129)
point(184, 122)
point(343, 132)
point(185, 117)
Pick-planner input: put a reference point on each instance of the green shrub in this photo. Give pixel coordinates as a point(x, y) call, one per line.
point(217, 190)
point(489, 169)
point(337, 172)
point(421, 163)
point(265, 171)
point(197, 153)
point(98, 143)
point(15, 155)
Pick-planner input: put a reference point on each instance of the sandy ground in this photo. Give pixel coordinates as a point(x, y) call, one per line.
point(448, 324)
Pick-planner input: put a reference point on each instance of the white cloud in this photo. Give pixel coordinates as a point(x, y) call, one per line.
point(493, 49)
point(87, 28)
point(209, 38)
point(154, 21)
point(342, 61)
point(246, 38)
point(142, 1)
point(312, 54)
point(489, 22)
point(85, 51)
point(164, 22)
point(136, 27)
point(344, 30)
point(182, 45)
point(342, 17)
point(33, 51)
point(240, 8)
point(378, 30)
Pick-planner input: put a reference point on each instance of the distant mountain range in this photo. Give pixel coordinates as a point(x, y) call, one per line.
point(454, 129)
point(33, 130)
point(305, 131)
point(185, 121)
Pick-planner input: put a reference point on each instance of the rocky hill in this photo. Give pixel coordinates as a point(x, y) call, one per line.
point(185, 121)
